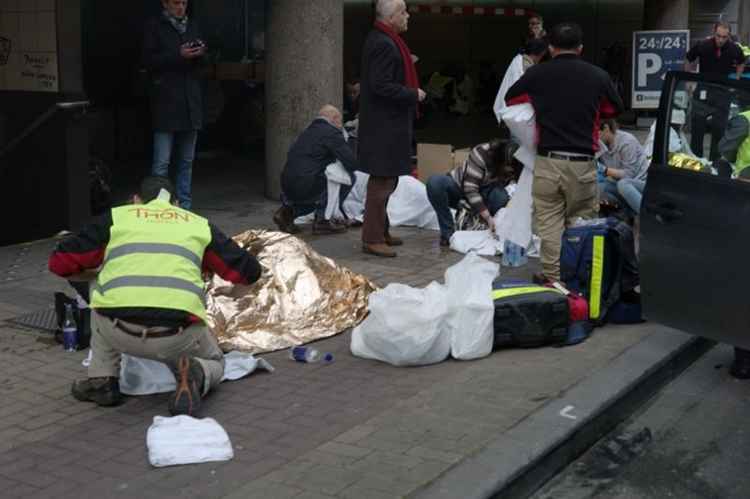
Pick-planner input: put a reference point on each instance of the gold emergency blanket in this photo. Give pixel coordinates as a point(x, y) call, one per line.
point(680, 160)
point(300, 297)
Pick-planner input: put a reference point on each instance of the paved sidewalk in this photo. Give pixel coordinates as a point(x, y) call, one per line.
point(353, 429)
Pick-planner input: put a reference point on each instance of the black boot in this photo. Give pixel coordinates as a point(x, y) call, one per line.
point(284, 219)
point(741, 366)
point(104, 391)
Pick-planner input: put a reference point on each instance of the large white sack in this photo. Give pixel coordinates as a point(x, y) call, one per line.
point(470, 306)
point(515, 224)
point(407, 206)
point(481, 242)
point(405, 326)
point(521, 121)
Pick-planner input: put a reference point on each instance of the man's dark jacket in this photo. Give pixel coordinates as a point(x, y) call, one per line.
point(386, 109)
point(570, 97)
point(175, 88)
point(319, 145)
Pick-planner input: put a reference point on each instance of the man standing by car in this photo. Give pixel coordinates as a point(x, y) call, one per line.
point(718, 56)
point(569, 96)
point(172, 53)
point(389, 97)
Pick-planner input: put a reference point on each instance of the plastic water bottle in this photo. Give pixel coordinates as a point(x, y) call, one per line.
point(70, 330)
point(309, 355)
point(514, 255)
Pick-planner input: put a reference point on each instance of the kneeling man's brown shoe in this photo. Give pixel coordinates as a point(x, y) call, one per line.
point(378, 250)
point(393, 241)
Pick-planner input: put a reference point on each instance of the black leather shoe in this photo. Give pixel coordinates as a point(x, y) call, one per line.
point(186, 399)
point(284, 219)
point(103, 391)
point(741, 366)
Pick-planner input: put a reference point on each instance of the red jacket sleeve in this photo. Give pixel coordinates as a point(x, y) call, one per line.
point(610, 105)
point(227, 259)
point(81, 251)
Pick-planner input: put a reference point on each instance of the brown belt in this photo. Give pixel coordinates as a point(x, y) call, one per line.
point(146, 332)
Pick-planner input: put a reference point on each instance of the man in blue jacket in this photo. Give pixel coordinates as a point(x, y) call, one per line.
point(304, 185)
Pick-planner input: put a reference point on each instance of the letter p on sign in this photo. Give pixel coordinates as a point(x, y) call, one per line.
point(648, 64)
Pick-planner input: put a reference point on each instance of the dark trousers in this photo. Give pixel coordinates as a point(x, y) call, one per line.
point(317, 202)
point(444, 193)
point(375, 225)
point(715, 106)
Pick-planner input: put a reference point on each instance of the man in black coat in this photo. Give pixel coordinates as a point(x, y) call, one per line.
point(173, 53)
point(389, 97)
point(304, 185)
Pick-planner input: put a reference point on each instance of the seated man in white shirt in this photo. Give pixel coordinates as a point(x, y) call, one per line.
point(624, 165)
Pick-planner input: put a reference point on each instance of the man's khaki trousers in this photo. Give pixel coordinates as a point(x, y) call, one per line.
point(108, 342)
point(563, 190)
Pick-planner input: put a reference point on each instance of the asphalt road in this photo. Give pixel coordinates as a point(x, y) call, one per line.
point(691, 441)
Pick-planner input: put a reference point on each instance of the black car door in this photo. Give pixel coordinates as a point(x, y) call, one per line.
point(695, 218)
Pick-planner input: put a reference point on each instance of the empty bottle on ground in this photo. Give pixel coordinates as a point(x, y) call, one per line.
point(309, 355)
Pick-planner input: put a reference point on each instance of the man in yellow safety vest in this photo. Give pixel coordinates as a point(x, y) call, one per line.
point(148, 299)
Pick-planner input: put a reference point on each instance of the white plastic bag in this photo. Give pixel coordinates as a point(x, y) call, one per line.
point(410, 327)
point(186, 440)
point(470, 306)
point(405, 326)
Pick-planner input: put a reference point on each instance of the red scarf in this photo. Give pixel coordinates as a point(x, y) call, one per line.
point(410, 70)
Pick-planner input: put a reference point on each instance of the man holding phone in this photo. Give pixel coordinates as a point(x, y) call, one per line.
point(173, 53)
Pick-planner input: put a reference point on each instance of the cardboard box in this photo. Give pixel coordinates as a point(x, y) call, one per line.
point(460, 156)
point(434, 159)
point(438, 159)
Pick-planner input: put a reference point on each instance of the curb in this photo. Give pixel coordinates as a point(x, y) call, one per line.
point(518, 462)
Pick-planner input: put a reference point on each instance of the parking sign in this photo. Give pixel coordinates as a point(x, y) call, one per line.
point(655, 53)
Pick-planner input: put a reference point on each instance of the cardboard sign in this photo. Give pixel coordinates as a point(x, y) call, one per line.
point(28, 46)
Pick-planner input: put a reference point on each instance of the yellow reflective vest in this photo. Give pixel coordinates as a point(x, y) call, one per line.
point(743, 153)
point(154, 259)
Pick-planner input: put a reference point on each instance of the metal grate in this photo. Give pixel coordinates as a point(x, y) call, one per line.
point(42, 320)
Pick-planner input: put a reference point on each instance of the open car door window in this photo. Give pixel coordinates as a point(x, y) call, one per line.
point(695, 216)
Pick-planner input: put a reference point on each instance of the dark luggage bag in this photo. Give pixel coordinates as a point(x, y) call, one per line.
point(598, 261)
point(528, 315)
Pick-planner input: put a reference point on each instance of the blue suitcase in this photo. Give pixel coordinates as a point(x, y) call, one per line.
point(598, 261)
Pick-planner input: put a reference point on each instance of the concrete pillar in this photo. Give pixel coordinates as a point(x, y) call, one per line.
point(667, 14)
point(304, 42)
